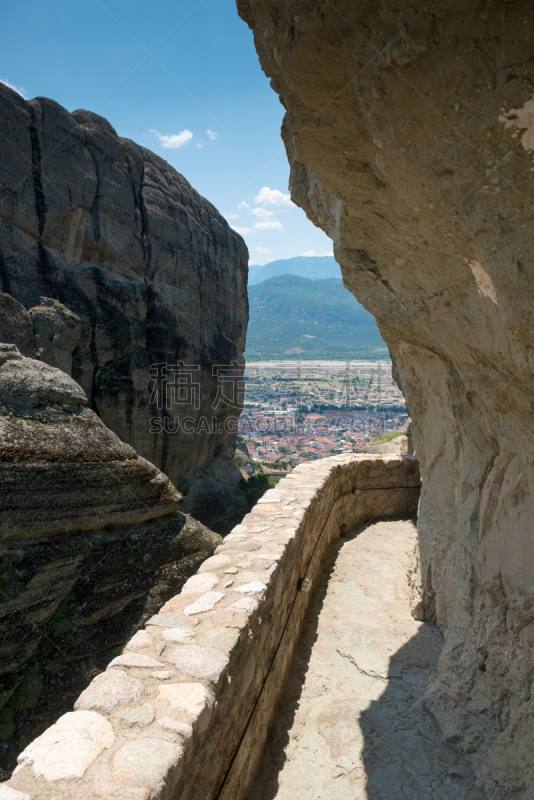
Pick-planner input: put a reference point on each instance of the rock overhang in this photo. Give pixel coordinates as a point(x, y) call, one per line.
point(410, 145)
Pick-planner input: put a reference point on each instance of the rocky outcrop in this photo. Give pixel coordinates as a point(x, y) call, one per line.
point(16, 325)
point(56, 333)
point(91, 545)
point(126, 269)
point(243, 461)
point(401, 445)
point(61, 469)
point(409, 134)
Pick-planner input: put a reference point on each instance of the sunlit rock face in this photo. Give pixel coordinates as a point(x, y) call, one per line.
point(125, 267)
point(409, 130)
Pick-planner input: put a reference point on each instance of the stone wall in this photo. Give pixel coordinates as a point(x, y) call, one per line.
point(183, 712)
point(124, 266)
point(409, 131)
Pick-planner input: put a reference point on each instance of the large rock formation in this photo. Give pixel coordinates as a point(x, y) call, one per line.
point(61, 469)
point(127, 270)
point(91, 545)
point(409, 130)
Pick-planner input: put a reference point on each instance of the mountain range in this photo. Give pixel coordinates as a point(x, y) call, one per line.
point(292, 317)
point(313, 267)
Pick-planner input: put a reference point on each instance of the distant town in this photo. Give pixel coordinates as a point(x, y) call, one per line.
point(300, 411)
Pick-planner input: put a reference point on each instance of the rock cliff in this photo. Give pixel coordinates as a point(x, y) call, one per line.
point(128, 272)
point(409, 130)
point(91, 545)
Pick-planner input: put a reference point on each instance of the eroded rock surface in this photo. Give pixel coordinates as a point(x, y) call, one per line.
point(56, 332)
point(61, 469)
point(409, 137)
point(124, 267)
point(16, 325)
point(91, 546)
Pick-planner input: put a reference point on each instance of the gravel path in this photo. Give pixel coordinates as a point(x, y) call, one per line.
point(346, 726)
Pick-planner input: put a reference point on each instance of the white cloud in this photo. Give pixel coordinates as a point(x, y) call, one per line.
point(242, 230)
point(251, 262)
point(213, 134)
point(18, 89)
point(269, 224)
point(262, 213)
point(263, 250)
point(273, 198)
point(199, 144)
point(266, 216)
point(175, 140)
point(231, 216)
point(318, 255)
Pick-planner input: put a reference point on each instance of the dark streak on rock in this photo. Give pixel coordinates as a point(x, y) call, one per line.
point(147, 246)
point(47, 269)
point(40, 201)
point(4, 275)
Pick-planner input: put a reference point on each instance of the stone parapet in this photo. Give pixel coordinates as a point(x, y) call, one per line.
point(184, 711)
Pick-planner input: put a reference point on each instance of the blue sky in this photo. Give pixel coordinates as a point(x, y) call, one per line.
point(178, 76)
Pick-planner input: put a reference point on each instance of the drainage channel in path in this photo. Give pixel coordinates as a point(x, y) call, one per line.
point(346, 727)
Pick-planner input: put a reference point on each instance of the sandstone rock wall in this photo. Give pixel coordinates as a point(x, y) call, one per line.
point(184, 711)
point(91, 545)
point(100, 228)
point(409, 131)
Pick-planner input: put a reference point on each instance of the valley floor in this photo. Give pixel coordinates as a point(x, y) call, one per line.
point(348, 727)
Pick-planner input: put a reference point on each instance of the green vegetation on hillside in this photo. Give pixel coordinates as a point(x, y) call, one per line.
point(382, 438)
point(296, 318)
point(246, 495)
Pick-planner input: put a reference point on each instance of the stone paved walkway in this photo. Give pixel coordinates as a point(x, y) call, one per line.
point(346, 726)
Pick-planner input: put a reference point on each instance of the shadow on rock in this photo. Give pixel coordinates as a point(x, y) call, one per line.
point(405, 755)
